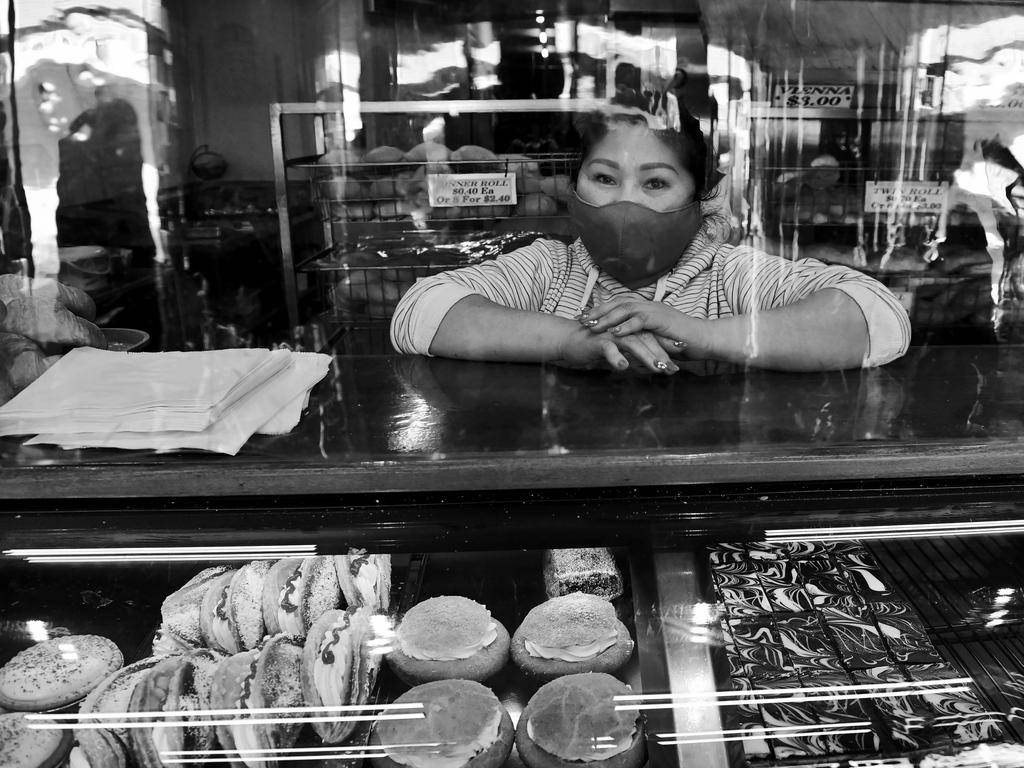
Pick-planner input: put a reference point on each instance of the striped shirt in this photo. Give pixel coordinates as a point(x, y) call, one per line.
point(713, 280)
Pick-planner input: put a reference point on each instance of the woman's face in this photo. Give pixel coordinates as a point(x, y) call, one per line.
point(632, 164)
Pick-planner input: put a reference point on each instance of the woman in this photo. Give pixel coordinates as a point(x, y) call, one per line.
point(649, 280)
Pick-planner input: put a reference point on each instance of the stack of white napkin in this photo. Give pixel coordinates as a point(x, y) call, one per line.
point(214, 401)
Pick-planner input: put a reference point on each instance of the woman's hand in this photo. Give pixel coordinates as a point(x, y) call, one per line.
point(584, 348)
point(624, 316)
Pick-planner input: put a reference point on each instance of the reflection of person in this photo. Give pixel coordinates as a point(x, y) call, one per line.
point(102, 201)
point(671, 287)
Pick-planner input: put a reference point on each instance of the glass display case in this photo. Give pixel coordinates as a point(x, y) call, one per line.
point(725, 567)
point(814, 630)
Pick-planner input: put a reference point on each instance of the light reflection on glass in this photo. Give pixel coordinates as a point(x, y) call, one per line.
point(62, 555)
point(922, 530)
point(37, 630)
point(230, 712)
point(189, 721)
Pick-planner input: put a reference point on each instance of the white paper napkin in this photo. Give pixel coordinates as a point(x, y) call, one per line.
point(90, 390)
point(277, 404)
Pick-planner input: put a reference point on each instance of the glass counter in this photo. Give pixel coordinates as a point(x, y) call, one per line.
point(795, 636)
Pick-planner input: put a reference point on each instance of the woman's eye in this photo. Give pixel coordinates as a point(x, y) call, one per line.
point(656, 183)
point(603, 178)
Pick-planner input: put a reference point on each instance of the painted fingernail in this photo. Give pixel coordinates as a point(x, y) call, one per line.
point(679, 344)
point(616, 330)
point(590, 323)
point(661, 365)
point(622, 364)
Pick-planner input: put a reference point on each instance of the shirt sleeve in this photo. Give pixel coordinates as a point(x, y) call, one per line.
point(517, 280)
point(754, 280)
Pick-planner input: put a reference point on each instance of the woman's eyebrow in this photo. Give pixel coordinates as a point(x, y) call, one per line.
point(605, 161)
point(652, 166)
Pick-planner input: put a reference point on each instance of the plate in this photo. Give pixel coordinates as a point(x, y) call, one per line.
point(125, 339)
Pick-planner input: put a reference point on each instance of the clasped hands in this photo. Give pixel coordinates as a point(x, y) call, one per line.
point(629, 331)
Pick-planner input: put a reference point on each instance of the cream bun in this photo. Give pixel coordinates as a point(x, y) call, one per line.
point(245, 606)
point(339, 667)
point(365, 579)
point(179, 683)
point(463, 726)
point(23, 746)
point(180, 623)
point(99, 747)
point(567, 635)
point(572, 720)
point(215, 621)
point(297, 592)
point(448, 637)
point(263, 678)
point(57, 672)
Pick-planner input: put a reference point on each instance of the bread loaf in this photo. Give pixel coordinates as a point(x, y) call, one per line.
point(78, 301)
point(47, 321)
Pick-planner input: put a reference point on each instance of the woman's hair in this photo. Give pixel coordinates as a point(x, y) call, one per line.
point(687, 143)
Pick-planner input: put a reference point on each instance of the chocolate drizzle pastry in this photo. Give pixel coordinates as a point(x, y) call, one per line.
point(824, 582)
point(931, 672)
point(780, 721)
point(882, 673)
point(791, 599)
point(907, 718)
point(848, 730)
point(763, 550)
point(777, 573)
point(862, 571)
point(859, 641)
point(745, 601)
point(743, 714)
point(804, 550)
point(904, 634)
point(736, 574)
point(760, 651)
point(960, 716)
point(726, 553)
point(806, 643)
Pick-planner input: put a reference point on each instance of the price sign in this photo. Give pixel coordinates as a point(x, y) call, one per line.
point(814, 96)
point(446, 190)
point(918, 196)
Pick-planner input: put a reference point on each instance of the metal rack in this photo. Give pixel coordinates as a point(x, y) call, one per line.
point(947, 581)
point(355, 202)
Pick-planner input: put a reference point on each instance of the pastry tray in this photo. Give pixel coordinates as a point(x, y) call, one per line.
point(122, 602)
point(509, 583)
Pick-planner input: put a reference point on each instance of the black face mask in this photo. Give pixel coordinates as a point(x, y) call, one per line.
point(632, 243)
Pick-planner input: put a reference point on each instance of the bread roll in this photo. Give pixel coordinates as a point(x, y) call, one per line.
point(476, 159)
point(15, 287)
point(557, 186)
point(523, 167)
point(339, 156)
point(433, 154)
point(384, 154)
point(47, 321)
point(537, 205)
